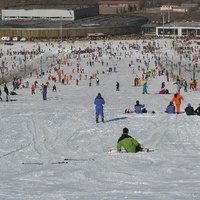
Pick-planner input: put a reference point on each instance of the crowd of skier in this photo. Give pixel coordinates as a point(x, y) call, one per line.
point(69, 69)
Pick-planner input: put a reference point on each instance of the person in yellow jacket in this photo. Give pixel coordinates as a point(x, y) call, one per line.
point(191, 83)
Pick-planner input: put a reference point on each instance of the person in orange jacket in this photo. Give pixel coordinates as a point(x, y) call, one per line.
point(177, 99)
point(32, 89)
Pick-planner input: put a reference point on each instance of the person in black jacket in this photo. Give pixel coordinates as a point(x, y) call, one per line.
point(6, 91)
point(189, 110)
point(117, 86)
point(0, 95)
point(197, 110)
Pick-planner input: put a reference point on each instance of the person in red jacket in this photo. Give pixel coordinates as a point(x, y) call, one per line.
point(177, 99)
point(195, 85)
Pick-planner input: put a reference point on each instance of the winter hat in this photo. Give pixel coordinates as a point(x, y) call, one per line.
point(189, 104)
point(137, 102)
point(125, 130)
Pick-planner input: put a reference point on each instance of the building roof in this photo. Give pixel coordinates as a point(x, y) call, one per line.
point(188, 5)
point(59, 7)
point(182, 24)
point(118, 2)
point(174, 24)
point(149, 25)
point(170, 4)
point(92, 22)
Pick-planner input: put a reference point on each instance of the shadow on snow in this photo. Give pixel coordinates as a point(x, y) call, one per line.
point(116, 119)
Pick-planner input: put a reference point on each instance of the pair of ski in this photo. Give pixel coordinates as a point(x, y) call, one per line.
point(9, 100)
point(41, 163)
point(65, 161)
point(143, 149)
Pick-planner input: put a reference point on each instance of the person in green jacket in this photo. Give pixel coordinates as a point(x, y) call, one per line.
point(128, 143)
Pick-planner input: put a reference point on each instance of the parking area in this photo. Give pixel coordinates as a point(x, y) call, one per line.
point(106, 24)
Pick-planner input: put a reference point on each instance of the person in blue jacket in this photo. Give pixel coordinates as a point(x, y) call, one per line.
point(99, 101)
point(139, 108)
point(44, 92)
point(170, 108)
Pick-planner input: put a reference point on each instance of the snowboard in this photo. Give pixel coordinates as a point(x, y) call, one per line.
point(144, 149)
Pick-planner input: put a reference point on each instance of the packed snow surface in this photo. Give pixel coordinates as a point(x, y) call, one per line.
point(36, 133)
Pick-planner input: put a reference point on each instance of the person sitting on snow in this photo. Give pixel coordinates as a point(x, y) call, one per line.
point(139, 108)
point(170, 108)
point(197, 110)
point(128, 143)
point(164, 91)
point(13, 93)
point(189, 110)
